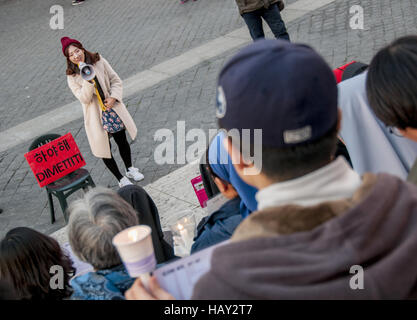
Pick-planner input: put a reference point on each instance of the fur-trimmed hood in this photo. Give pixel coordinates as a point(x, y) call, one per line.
point(294, 252)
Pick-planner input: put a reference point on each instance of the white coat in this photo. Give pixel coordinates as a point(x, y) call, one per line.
point(85, 92)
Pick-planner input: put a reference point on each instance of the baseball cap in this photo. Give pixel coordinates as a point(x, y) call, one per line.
point(285, 89)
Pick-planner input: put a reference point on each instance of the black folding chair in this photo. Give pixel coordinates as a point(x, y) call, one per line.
point(64, 187)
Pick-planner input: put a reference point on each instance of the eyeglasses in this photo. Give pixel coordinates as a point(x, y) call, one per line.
point(395, 131)
point(76, 51)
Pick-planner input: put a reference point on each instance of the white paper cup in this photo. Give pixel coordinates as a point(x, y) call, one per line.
point(135, 248)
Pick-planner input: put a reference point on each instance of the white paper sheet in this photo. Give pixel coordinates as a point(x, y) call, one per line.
point(180, 276)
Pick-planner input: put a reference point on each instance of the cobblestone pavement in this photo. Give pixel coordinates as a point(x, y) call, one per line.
point(132, 34)
point(155, 31)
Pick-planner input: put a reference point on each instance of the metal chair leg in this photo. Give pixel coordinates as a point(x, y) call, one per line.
point(51, 207)
point(91, 182)
point(63, 202)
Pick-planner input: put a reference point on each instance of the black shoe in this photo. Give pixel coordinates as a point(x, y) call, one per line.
point(281, 5)
point(77, 2)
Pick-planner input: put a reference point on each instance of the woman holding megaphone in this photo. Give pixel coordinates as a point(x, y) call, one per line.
point(99, 90)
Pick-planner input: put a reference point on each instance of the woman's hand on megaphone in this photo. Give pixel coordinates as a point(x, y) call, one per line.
point(109, 102)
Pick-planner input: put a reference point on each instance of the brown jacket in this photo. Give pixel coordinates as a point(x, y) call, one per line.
point(296, 252)
point(246, 6)
point(85, 93)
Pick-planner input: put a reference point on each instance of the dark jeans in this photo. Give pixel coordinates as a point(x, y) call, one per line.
point(272, 17)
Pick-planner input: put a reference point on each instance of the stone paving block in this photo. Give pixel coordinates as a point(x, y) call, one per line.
point(170, 208)
point(183, 191)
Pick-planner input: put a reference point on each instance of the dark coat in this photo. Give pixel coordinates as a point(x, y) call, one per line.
point(148, 215)
point(219, 226)
point(252, 5)
point(307, 252)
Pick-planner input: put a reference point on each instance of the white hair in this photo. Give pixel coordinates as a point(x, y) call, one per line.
point(93, 222)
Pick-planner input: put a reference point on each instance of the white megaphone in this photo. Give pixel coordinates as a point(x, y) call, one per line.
point(86, 71)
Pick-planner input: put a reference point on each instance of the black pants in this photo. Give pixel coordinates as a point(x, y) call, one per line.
point(272, 17)
point(125, 153)
point(148, 215)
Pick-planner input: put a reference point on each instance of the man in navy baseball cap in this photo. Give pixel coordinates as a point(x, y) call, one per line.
point(317, 219)
point(290, 93)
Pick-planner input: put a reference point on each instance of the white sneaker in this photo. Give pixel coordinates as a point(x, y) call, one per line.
point(124, 182)
point(134, 174)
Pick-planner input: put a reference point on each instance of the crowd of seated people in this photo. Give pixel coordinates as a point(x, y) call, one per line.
point(296, 224)
point(27, 255)
point(316, 217)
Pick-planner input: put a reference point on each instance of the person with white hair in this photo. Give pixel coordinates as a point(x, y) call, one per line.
point(94, 221)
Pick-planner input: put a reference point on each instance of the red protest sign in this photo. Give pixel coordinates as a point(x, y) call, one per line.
point(55, 159)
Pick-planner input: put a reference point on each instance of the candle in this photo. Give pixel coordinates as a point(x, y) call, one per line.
point(135, 248)
point(133, 235)
point(185, 237)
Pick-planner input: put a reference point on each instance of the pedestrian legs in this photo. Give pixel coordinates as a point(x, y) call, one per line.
point(254, 22)
point(273, 18)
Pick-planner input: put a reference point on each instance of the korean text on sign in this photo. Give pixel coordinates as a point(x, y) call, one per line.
point(55, 159)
